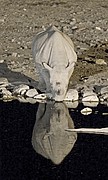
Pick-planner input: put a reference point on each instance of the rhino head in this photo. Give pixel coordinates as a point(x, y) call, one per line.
point(59, 80)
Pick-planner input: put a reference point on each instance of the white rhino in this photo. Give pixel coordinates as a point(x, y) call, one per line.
point(54, 56)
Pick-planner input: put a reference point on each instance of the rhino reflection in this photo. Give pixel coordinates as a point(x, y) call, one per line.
point(49, 137)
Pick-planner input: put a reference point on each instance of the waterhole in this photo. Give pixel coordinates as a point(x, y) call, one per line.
point(35, 144)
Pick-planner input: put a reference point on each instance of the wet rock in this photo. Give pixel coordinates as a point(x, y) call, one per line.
point(22, 100)
point(89, 96)
point(41, 96)
point(3, 82)
point(90, 104)
point(23, 92)
point(18, 89)
point(6, 92)
point(72, 95)
point(86, 111)
point(31, 100)
point(104, 94)
point(31, 92)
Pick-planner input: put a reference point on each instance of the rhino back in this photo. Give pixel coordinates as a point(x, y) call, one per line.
point(53, 47)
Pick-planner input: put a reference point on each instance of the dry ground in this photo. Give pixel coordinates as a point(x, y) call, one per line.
point(86, 22)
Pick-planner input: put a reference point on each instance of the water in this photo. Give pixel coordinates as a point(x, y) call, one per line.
point(35, 145)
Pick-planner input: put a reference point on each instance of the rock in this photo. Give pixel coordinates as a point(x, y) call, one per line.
point(86, 111)
point(6, 92)
point(74, 27)
point(73, 22)
point(31, 92)
point(72, 95)
point(14, 54)
point(6, 95)
point(23, 92)
point(90, 104)
point(104, 90)
point(7, 99)
point(41, 96)
point(31, 100)
point(18, 89)
point(104, 93)
point(89, 96)
point(1, 61)
point(3, 82)
point(100, 62)
point(22, 100)
point(49, 96)
point(2, 20)
point(98, 28)
point(71, 104)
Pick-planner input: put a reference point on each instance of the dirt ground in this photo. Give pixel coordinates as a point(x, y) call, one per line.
point(86, 22)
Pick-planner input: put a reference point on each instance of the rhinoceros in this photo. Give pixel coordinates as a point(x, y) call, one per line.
point(54, 56)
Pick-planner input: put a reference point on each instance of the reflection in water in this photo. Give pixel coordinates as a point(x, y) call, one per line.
point(49, 137)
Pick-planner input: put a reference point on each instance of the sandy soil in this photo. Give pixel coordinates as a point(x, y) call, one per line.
point(86, 22)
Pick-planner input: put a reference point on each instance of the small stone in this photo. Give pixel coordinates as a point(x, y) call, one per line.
point(22, 100)
point(87, 59)
point(14, 54)
point(86, 111)
point(31, 93)
point(18, 89)
point(74, 27)
point(3, 82)
point(31, 100)
point(104, 90)
point(1, 61)
point(2, 20)
point(13, 40)
point(72, 95)
point(23, 92)
point(100, 62)
point(41, 96)
point(6, 92)
point(98, 28)
point(73, 22)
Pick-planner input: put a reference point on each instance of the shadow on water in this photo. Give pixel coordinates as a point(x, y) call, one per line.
point(35, 145)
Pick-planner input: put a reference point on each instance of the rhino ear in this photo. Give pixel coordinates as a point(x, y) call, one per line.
point(47, 67)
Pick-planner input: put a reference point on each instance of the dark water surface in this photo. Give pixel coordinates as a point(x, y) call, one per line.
point(30, 128)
